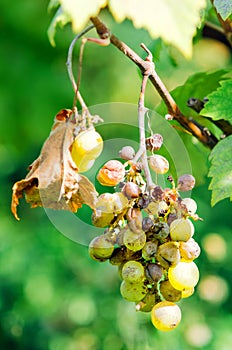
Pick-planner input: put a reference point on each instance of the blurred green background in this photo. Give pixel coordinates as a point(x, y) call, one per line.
point(52, 295)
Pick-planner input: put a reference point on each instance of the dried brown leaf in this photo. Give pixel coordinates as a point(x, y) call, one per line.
point(53, 180)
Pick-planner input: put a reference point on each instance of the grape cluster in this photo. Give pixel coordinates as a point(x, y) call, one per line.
point(149, 236)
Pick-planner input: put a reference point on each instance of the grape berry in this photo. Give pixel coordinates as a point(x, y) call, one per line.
point(149, 236)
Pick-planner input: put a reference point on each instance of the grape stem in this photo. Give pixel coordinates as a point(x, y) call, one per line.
point(70, 67)
point(142, 152)
point(208, 139)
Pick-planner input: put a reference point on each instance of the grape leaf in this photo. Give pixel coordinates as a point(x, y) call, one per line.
point(81, 11)
point(221, 171)
point(198, 85)
point(223, 7)
point(61, 18)
point(219, 105)
point(53, 180)
point(175, 22)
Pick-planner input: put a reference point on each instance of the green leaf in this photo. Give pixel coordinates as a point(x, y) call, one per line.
point(223, 7)
point(221, 171)
point(80, 11)
point(174, 21)
point(199, 85)
point(60, 19)
point(219, 105)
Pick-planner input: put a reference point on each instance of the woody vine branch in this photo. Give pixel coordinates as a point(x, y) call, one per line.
point(197, 130)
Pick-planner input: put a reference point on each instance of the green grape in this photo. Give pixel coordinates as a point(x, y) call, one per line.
point(166, 316)
point(133, 291)
point(184, 275)
point(147, 303)
point(101, 247)
point(181, 230)
point(133, 271)
point(154, 272)
point(149, 250)
point(168, 292)
point(134, 240)
point(189, 250)
point(101, 219)
point(168, 254)
point(190, 205)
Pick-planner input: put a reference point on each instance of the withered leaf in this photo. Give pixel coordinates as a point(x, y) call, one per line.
point(53, 180)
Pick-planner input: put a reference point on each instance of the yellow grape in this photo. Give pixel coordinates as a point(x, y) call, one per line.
point(187, 293)
point(166, 316)
point(184, 275)
point(86, 147)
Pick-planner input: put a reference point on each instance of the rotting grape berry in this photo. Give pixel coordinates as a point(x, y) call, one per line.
point(127, 153)
point(186, 182)
point(131, 190)
point(159, 164)
point(147, 224)
point(111, 173)
point(154, 142)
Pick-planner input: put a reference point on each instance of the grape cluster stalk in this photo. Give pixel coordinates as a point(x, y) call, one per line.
point(148, 234)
